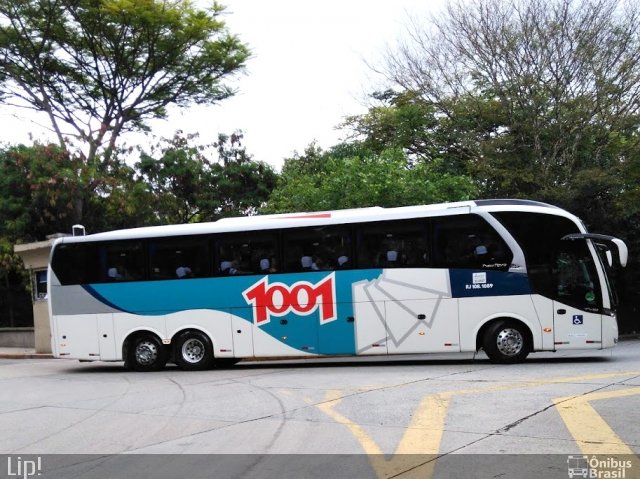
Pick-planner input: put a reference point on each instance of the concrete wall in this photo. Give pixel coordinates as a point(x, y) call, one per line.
point(42, 327)
point(17, 338)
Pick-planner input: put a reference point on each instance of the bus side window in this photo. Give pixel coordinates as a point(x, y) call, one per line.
point(322, 248)
point(122, 261)
point(178, 258)
point(393, 244)
point(246, 254)
point(76, 263)
point(469, 242)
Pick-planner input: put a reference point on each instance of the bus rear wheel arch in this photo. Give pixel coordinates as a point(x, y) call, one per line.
point(144, 351)
point(192, 350)
point(506, 341)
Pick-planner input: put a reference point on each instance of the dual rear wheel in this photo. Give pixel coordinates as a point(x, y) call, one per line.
point(192, 350)
point(145, 352)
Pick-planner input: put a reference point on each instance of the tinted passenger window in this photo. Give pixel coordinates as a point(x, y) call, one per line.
point(122, 261)
point(468, 241)
point(247, 254)
point(318, 248)
point(76, 263)
point(393, 244)
point(539, 237)
point(178, 258)
point(537, 234)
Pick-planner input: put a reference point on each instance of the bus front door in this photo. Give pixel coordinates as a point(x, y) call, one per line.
point(575, 328)
point(578, 298)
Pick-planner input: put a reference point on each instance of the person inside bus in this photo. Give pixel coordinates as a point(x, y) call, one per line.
point(114, 274)
point(318, 264)
point(118, 272)
point(343, 262)
point(392, 258)
point(228, 267)
point(306, 262)
point(183, 272)
point(267, 265)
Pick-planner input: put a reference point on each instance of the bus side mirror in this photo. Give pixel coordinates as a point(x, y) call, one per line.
point(607, 241)
point(623, 251)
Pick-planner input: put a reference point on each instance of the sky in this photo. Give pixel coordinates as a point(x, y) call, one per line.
point(308, 70)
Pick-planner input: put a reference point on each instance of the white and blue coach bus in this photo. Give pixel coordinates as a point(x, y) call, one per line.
point(507, 276)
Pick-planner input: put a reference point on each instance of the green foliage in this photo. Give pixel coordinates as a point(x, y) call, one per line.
point(187, 185)
point(102, 67)
point(400, 120)
point(527, 93)
point(39, 189)
point(351, 176)
point(44, 190)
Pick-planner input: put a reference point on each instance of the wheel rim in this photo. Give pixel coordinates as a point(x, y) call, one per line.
point(510, 342)
point(146, 352)
point(193, 350)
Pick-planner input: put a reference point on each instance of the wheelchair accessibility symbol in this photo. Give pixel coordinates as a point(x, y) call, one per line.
point(578, 319)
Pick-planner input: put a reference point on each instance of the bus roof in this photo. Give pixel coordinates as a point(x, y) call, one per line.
point(301, 219)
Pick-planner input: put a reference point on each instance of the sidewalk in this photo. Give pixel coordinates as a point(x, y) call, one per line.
point(22, 353)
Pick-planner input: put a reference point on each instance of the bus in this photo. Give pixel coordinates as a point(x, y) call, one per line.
point(509, 277)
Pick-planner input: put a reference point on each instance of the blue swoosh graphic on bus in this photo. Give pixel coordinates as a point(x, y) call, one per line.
point(303, 332)
point(154, 298)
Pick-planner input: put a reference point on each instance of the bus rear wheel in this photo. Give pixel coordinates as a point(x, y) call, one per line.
point(506, 342)
point(193, 351)
point(146, 353)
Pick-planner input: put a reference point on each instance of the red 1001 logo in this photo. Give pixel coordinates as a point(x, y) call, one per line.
point(302, 298)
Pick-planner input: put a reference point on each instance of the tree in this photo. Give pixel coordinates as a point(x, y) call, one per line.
point(40, 187)
point(189, 183)
point(561, 79)
point(103, 67)
point(397, 120)
point(541, 99)
point(448, 143)
point(350, 176)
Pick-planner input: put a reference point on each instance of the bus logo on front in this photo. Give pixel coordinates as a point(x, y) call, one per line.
point(302, 298)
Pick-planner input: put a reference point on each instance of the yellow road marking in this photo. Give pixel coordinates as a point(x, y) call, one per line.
point(423, 434)
point(592, 434)
point(418, 448)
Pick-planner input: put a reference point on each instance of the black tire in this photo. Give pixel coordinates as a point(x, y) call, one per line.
point(193, 351)
point(506, 342)
point(146, 352)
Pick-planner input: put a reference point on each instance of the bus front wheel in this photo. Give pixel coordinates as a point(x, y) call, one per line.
point(506, 342)
point(146, 353)
point(193, 351)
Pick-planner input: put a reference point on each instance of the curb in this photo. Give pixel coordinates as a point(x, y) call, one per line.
point(25, 355)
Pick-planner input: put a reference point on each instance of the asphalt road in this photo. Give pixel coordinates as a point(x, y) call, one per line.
point(411, 416)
